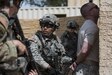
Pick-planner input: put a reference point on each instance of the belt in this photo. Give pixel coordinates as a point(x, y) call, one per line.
point(91, 62)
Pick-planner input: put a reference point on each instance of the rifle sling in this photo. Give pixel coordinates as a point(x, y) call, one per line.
point(39, 35)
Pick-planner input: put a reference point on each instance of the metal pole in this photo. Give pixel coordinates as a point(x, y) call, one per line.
point(91, 1)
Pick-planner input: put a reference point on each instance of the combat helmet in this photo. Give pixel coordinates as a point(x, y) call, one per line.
point(72, 24)
point(49, 19)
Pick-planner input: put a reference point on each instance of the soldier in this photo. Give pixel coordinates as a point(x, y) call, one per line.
point(69, 40)
point(46, 47)
point(9, 49)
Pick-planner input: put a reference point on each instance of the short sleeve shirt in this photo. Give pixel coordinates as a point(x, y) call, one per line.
point(90, 31)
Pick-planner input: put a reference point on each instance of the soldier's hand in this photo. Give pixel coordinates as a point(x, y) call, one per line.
point(20, 46)
point(33, 72)
point(73, 66)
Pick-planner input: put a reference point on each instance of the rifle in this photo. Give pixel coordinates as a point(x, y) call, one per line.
point(14, 24)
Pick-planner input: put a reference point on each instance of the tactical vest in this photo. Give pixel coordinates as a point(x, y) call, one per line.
point(54, 56)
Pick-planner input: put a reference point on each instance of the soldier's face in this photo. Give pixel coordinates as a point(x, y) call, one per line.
point(47, 31)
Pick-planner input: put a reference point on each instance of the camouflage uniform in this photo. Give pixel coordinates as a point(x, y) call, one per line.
point(6, 48)
point(69, 40)
point(46, 47)
point(10, 64)
point(52, 48)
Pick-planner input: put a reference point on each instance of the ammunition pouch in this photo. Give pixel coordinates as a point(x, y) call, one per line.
point(13, 65)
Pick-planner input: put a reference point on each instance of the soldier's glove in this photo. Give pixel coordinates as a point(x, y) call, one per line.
point(66, 59)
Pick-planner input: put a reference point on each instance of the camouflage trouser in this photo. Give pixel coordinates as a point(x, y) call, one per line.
point(85, 69)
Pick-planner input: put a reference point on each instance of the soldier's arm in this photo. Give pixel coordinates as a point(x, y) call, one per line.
point(35, 47)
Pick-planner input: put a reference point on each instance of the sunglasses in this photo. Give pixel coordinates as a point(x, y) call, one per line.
point(47, 24)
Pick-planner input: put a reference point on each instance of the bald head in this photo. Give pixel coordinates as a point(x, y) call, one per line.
point(87, 8)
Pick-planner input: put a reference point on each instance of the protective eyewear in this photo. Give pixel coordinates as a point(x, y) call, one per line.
point(47, 24)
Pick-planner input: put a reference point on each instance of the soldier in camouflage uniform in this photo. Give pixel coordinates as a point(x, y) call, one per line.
point(9, 49)
point(46, 47)
point(69, 40)
point(87, 62)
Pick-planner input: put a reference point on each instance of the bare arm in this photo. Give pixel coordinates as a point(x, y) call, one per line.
point(82, 54)
point(33, 72)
